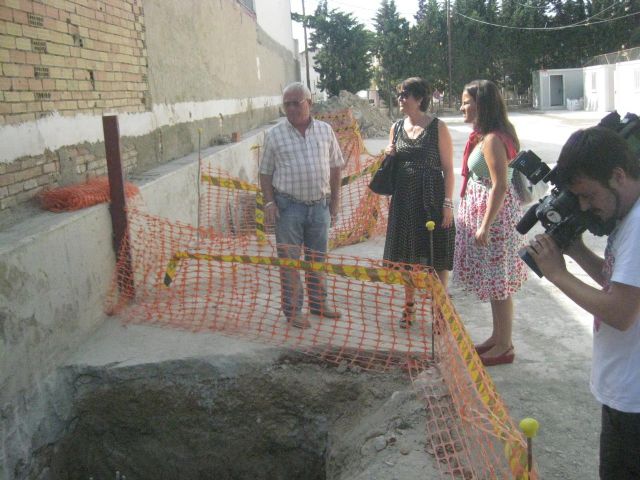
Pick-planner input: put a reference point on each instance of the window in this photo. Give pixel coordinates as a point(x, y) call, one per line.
point(594, 81)
point(636, 80)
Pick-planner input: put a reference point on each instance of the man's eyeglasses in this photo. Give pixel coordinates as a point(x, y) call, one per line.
point(294, 103)
point(404, 94)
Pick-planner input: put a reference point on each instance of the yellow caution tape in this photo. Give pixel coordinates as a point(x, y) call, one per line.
point(514, 448)
point(229, 183)
point(418, 280)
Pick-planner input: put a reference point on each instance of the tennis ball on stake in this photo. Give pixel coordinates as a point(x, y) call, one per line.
point(529, 427)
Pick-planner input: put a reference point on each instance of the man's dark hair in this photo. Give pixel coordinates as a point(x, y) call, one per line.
point(418, 88)
point(594, 153)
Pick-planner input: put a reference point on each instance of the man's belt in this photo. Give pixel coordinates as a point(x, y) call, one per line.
point(309, 203)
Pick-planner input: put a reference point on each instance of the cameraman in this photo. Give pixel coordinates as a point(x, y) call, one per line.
point(598, 166)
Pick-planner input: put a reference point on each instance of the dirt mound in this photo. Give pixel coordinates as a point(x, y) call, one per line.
point(372, 121)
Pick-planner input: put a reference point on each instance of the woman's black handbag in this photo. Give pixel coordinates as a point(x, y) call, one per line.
point(383, 181)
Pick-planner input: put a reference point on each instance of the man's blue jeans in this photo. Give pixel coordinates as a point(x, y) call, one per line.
point(302, 227)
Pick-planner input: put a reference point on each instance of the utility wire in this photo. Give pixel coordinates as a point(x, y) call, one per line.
point(531, 6)
point(544, 7)
point(581, 23)
point(349, 7)
point(587, 20)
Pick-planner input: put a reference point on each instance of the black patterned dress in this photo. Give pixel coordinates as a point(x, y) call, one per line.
point(418, 198)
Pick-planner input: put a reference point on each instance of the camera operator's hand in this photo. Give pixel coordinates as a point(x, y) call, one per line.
point(545, 252)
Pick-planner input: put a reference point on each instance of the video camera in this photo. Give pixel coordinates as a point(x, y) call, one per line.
point(559, 212)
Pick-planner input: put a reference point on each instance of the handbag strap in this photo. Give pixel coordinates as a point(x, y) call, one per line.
point(396, 130)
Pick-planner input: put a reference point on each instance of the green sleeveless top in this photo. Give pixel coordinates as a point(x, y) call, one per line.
point(478, 165)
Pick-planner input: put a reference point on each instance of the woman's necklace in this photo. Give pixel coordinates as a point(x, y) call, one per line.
point(416, 128)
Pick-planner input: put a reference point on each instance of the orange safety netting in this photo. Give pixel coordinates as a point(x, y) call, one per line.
point(76, 197)
point(232, 207)
point(224, 276)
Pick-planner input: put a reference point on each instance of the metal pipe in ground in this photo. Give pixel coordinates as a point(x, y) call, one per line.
point(430, 225)
point(118, 205)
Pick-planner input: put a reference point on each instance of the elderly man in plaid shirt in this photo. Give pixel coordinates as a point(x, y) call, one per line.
point(300, 180)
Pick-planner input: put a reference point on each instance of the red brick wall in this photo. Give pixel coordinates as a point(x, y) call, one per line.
point(70, 57)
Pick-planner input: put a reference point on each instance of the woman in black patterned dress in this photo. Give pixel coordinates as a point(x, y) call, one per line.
point(424, 182)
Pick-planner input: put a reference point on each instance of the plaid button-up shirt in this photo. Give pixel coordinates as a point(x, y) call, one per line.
point(300, 165)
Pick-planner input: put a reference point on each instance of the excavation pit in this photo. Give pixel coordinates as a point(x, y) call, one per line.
point(265, 414)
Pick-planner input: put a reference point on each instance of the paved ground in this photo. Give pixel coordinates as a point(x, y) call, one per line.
point(552, 337)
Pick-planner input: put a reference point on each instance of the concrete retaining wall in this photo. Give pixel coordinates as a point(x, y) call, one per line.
point(55, 271)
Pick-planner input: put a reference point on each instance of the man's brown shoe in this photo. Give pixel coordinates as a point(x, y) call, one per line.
point(326, 313)
point(299, 321)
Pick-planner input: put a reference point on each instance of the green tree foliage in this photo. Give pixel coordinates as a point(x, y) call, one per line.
point(428, 44)
point(507, 40)
point(392, 49)
point(521, 47)
point(342, 49)
point(504, 40)
point(475, 45)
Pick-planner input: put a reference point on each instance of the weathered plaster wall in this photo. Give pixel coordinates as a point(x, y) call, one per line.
point(201, 69)
point(275, 22)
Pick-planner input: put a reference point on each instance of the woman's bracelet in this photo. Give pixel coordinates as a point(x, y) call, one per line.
point(447, 203)
point(268, 204)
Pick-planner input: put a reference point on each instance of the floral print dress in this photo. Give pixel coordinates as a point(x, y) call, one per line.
point(496, 271)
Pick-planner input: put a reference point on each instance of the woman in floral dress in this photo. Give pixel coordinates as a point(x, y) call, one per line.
point(486, 254)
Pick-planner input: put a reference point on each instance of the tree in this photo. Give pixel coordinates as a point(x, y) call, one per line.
point(343, 50)
point(502, 40)
point(428, 44)
point(522, 50)
point(475, 44)
point(392, 49)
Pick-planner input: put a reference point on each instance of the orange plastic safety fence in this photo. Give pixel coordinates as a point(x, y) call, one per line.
point(83, 195)
point(233, 207)
point(470, 430)
point(225, 276)
point(347, 131)
point(188, 278)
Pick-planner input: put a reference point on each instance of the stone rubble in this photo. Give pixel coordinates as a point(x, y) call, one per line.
point(373, 122)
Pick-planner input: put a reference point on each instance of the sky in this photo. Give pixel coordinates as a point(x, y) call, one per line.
point(362, 10)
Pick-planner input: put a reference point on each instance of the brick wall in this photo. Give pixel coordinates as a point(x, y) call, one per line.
point(69, 57)
point(23, 179)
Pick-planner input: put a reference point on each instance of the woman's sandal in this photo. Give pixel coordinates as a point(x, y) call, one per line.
point(480, 349)
point(505, 358)
point(408, 315)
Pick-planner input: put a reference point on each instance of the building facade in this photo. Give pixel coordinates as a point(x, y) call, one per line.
point(609, 82)
point(171, 71)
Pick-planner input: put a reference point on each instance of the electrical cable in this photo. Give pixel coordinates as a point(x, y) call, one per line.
point(564, 27)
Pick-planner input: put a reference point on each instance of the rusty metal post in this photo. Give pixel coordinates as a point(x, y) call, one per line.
point(118, 205)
